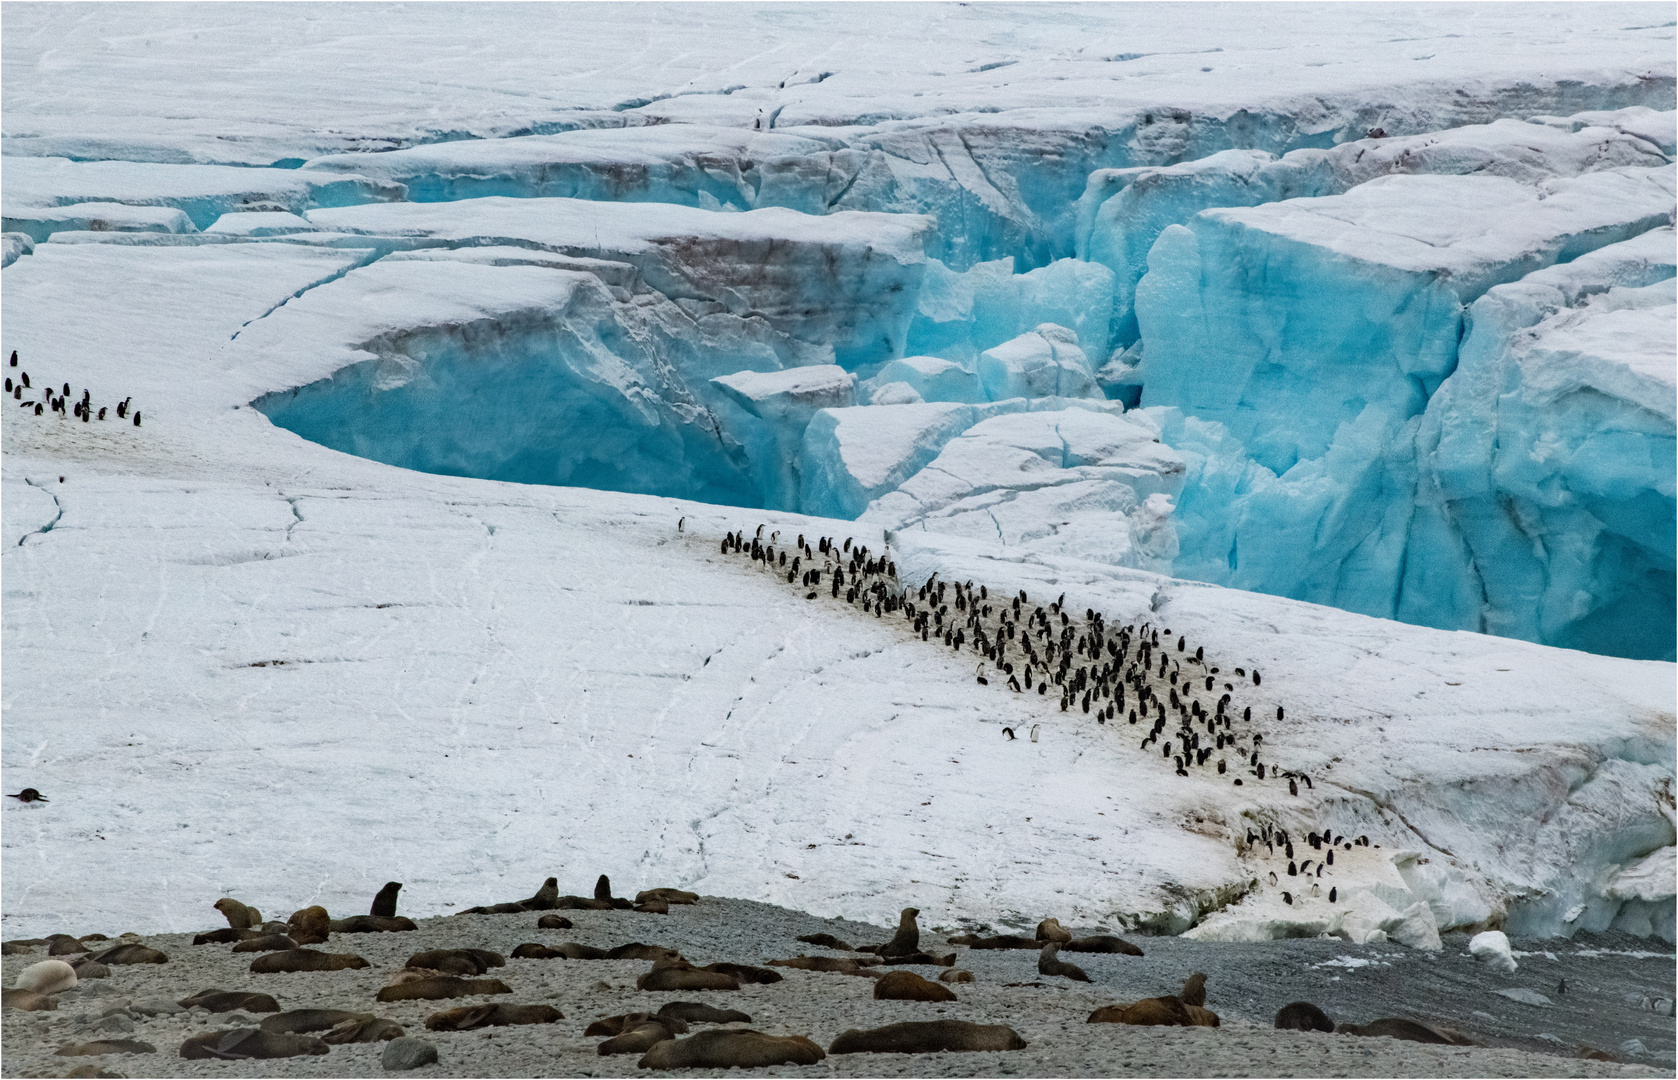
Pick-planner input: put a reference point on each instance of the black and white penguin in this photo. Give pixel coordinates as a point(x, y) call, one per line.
point(1008, 731)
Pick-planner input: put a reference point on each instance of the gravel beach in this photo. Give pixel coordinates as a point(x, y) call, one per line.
point(1606, 978)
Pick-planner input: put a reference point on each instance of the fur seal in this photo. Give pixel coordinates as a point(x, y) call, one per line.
point(241, 1043)
point(1303, 1016)
point(908, 937)
point(370, 1030)
point(843, 965)
point(907, 986)
point(1194, 990)
point(955, 975)
point(472, 1017)
point(1102, 943)
point(669, 896)
point(266, 943)
point(220, 1001)
point(646, 1034)
point(637, 951)
point(27, 1000)
point(46, 977)
point(104, 1046)
point(29, 794)
point(530, 950)
point(1048, 963)
point(131, 954)
point(1051, 930)
point(731, 1048)
point(617, 1025)
point(680, 975)
point(87, 969)
point(310, 926)
point(441, 986)
point(239, 916)
point(603, 894)
point(545, 898)
point(457, 961)
point(928, 1037)
point(303, 1021)
point(1001, 941)
point(553, 922)
point(385, 903)
point(827, 941)
point(696, 1013)
point(743, 972)
point(305, 960)
point(373, 924)
point(1149, 1012)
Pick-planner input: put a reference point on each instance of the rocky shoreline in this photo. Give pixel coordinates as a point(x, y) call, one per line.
point(1534, 1031)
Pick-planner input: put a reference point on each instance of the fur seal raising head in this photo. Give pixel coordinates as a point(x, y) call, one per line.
point(1303, 1016)
point(239, 916)
point(385, 903)
point(908, 937)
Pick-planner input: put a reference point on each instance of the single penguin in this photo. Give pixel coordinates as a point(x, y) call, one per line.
point(14, 358)
point(1008, 731)
point(1332, 894)
point(1287, 898)
point(136, 417)
point(1034, 728)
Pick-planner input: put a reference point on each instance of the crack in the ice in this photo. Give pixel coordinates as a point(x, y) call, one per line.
point(368, 257)
point(48, 527)
point(297, 515)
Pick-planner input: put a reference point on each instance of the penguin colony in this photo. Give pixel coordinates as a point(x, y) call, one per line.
point(83, 410)
point(1135, 676)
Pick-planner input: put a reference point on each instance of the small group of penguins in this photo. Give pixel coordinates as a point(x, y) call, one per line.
point(1130, 673)
point(1134, 673)
point(83, 410)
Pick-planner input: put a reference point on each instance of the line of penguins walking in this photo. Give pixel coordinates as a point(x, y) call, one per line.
point(83, 410)
point(1134, 674)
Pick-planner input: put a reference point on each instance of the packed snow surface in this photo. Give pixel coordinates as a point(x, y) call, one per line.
point(1337, 342)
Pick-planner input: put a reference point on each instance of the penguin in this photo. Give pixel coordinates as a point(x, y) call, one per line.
point(1561, 987)
point(1273, 878)
point(136, 417)
point(1008, 731)
point(14, 358)
point(1287, 898)
point(1034, 728)
point(1293, 871)
point(1278, 712)
point(1013, 681)
point(1256, 679)
point(1293, 788)
point(1329, 858)
point(25, 376)
point(102, 412)
point(681, 521)
point(1181, 643)
point(1332, 893)
point(29, 794)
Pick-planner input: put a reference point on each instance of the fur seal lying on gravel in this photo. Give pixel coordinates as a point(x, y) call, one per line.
point(88, 969)
point(642, 1035)
point(46, 977)
point(1303, 1016)
point(681, 975)
point(907, 986)
point(617, 1025)
point(239, 916)
point(220, 1001)
point(546, 899)
point(844, 965)
point(241, 1043)
point(1051, 930)
point(553, 922)
point(695, 1012)
point(373, 924)
point(131, 954)
point(310, 926)
point(457, 961)
point(106, 1046)
point(827, 941)
point(472, 1017)
point(266, 943)
point(441, 986)
point(1049, 964)
point(303, 1021)
point(531, 950)
point(27, 1000)
point(1407, 1030)
point(1102, 943)
point(746, 973)
point(371, 1030)
point(955, 975)
point(653, 907)
point(305, 960)
point(637, 951)
point(669, 896)
point(1149, 1012)
point(226, 935)
point(1002, 941)
point(384, 904)
point(729, 1049)
point(928, 1037)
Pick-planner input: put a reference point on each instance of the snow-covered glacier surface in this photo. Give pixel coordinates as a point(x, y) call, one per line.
point(1340, 341)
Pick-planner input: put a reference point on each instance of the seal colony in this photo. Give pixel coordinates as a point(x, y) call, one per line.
point(428, 992)
point(1135, 680)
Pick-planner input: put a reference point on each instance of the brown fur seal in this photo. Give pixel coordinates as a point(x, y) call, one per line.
point(530, 950)
point(1102, 943)
point(1194, 990)
point(225, 936)
point(731, 1048)
point(1002, 941)
point(907, 939)
point(669, 896)
point(239, 916)
point(1049, 964)
point(220, 1001)
point(1303, 1016)
point(1202, 1017)
point(472, 1017)
point(637, 951)
point(372, 1029)
point(1051, 930)
point(266, 943)
point(744, 972)
point(303, 1021)
point(373, 924)
point(1407, 1030)
point(696, 1013)
point(617, 1025)
point(66, 946)
point(242, 1043)
point(603, 895)
point(907, 986)
point(844, 965)
point(955, 975)
point(384, 904)
point(928, 1037)
point(457, 961)
point(305, 960)
point(1149, 1012)
point(310, 926)
point(88, 969)
point(680, 975)
point(27, 1000)
point(46, 977)
point(921, 958)
point(131, 954)
point(553, 922)
point(437, 987)
point(646, 1034)
point(545, 896)
point(653, 907)
point(105, 1046)
point(827, 941)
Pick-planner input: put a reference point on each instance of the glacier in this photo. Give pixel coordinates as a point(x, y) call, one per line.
point(1338, 341)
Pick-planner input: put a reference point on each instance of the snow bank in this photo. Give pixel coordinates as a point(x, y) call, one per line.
point(38, 223)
